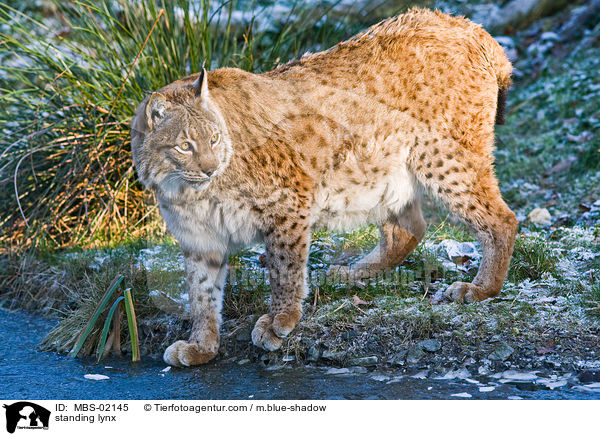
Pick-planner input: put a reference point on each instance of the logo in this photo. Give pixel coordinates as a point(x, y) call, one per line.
point(26, 415)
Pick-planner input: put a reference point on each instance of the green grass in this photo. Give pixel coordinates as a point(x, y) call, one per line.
point(592, 301)
point(532, 258)
point(94, 318)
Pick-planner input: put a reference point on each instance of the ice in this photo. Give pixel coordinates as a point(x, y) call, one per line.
point(96, 377)
point(462, 395)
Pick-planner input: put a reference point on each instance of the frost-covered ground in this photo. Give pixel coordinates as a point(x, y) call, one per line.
point(546, 318)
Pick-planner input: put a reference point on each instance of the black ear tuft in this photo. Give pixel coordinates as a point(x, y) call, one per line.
point(201, 84)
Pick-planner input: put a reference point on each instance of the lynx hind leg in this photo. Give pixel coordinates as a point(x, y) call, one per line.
point(400, 234)
point(286, 257)
point(466, 183)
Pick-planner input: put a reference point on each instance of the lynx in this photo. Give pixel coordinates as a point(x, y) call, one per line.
point(352, 135)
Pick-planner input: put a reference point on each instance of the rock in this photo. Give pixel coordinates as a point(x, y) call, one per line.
point(244, 334)
point(584, 136)
point(581, 18)
point(594, 387)
point(337, 356)
point(431, 345)
point(515, 14)
point(486, 13)
point(550, 36)
point(421, 375)
point(364, 361)
point(566, 164)
point(457, 251)
point(553, 384)
point(485, 367)
point(269, 357)
point(461, 374)
point(589, 375)
point(505, 41)
point(313, 354)
point(337, 371)
point(516, 376)
point(380, 377)
point(462, 255)
point(414, 355)
point(540, 216)
point(399, 358)
point(502, 352)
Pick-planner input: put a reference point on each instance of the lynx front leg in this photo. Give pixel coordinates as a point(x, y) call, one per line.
point(206, 275)
point(286, 257)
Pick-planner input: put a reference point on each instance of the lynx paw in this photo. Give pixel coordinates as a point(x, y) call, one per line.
point(461, 292)
point(182, 353)
point(268, 331)
point(263, 335)
point(284, 323)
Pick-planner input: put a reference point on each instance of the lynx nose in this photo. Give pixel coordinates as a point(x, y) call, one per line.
point(209, 170)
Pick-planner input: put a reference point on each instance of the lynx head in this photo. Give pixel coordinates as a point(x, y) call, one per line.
point(179, 138)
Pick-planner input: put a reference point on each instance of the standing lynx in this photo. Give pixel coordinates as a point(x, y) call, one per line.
point(348, 136)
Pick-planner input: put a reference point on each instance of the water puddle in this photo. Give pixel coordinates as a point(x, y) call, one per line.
point(26, 373)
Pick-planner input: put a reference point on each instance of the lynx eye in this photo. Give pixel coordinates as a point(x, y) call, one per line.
point(186, 146)
point(214, 138)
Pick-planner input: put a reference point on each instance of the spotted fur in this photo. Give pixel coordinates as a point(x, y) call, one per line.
point(349, 136)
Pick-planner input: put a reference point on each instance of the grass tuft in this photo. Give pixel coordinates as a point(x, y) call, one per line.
point(532, 258)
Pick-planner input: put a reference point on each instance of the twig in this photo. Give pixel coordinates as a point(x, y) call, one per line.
point(17, 172)
point(426, 289)
point(360, 309)
point(343, 304)
point(523, 103)
point(23, 138)
point(114, 102)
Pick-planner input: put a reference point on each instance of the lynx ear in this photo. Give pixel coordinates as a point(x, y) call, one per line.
point(201, 84)
point(156, 109)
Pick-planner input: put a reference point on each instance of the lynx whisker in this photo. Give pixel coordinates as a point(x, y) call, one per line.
point(195, 177)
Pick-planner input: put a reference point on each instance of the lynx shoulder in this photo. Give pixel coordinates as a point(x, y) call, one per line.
point(352, 135)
